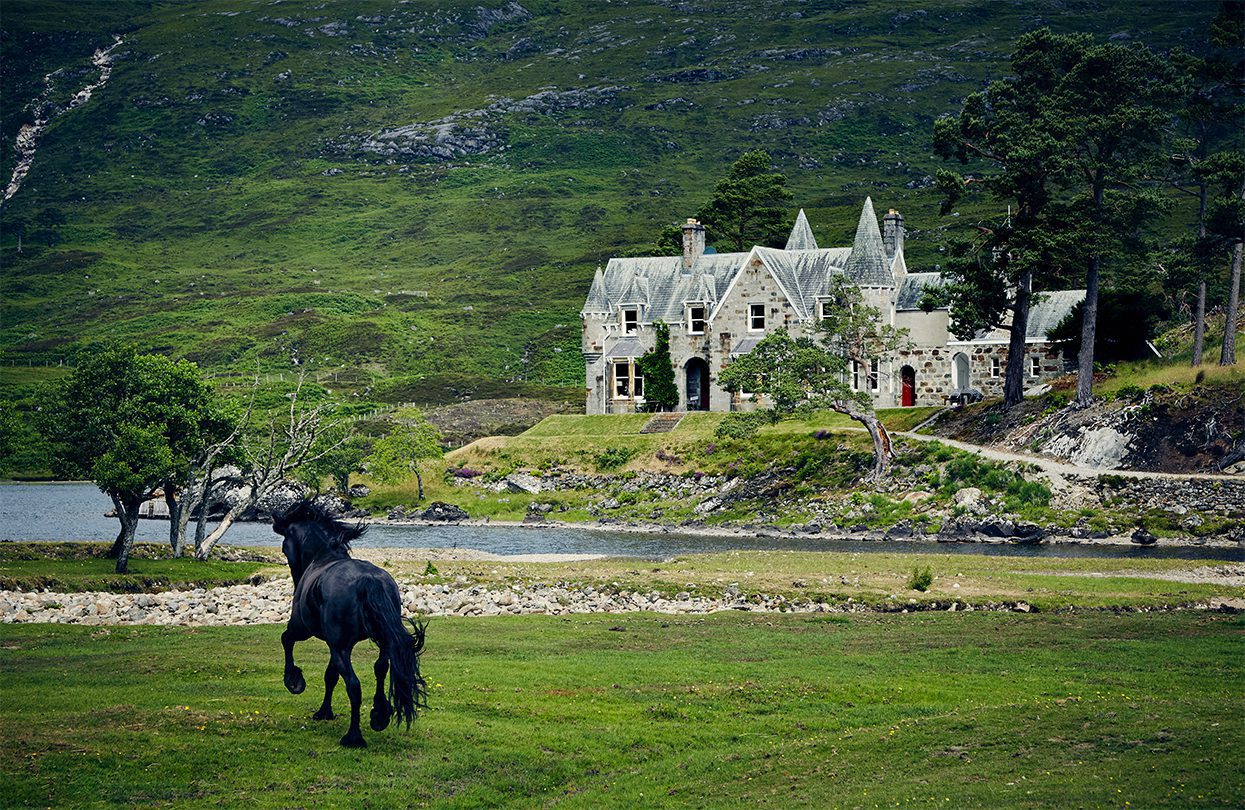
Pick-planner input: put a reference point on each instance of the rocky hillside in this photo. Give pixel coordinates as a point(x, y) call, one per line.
point(415, 195)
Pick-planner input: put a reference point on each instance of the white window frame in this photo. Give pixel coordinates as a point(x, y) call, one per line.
point(875, 372)
point(855, 375)
point(703, 319)
point(1035, 366)
point(996, 367)
point(632, 381)
point(752, 317)
point(629, 328)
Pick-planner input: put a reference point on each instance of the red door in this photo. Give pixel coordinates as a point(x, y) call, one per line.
point(908, 395)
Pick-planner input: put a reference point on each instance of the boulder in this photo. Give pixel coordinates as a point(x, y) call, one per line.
point(440, 510)
point(522, 482)
point(360, 491)
point(967, 497)
point(1143, 538)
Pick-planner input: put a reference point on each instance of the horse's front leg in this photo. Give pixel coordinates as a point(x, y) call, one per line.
point(341, 660)
point(294, 632)
point(325, 712)
point(381, 710)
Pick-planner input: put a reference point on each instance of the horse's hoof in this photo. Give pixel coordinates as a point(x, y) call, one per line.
point(322, 714)
point(294, 681)
point(380, 717)
point(354, 741)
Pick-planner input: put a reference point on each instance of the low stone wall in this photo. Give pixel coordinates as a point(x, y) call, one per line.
point(1224, 497)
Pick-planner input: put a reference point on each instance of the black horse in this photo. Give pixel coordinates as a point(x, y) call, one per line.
point(343, 601)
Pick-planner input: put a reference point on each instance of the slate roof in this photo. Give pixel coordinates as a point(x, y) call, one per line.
point(744, 346)
point(804, 274)
point(1049, 311)
point(867, 265)
point(913, 288)
point(661, 285)
point(801, 237)
point(626, 348)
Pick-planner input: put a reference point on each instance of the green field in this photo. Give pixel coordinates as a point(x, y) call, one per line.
point(920, 710)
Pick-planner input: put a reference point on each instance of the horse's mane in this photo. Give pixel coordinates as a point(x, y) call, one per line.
point(338, 533)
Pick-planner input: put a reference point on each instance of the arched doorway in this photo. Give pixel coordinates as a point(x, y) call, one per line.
point(960, 378)
point(697, 384)
point(907, 395)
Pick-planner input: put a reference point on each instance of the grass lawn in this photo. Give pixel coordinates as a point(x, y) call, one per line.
point(71, 567)
point(946, 710)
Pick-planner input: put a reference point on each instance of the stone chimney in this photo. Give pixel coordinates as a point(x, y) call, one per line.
point(693, 243)
point(892, 233)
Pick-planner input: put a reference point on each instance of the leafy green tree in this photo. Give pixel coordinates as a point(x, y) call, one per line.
point(1109, 107)
point(127, 421)
point(749, 205)
point(1226, 227)
point(1208, 129)
point(344, 460)
point(807, 374)
point(398, 455)
point(660, 391)
point(669, 241)
point(10, 429)
point(1002, 133)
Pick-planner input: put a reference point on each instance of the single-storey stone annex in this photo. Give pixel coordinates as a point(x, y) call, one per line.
point(720, 305)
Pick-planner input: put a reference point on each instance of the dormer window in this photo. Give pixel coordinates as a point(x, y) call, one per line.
point(756, 317)
point(631, 319)
point(697, 319)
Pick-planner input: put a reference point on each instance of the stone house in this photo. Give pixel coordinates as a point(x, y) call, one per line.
point(720, 305)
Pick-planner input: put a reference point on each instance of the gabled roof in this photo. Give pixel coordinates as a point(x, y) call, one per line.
point(660, 284)
point(804, 274)
point(801, 237)
point(867, 265)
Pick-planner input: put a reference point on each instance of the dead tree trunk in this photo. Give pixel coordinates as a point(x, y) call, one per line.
point(883, 449)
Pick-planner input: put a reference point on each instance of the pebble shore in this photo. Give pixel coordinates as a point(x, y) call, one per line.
point(269, 603)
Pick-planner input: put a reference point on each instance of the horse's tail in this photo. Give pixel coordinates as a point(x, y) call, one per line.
point(407, 690)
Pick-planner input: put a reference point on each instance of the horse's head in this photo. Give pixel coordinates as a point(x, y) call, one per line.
point(311, 532)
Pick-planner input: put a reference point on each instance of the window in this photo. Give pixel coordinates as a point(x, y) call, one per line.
point(995, 366)
point(631, 319)
point(628, 382)
point(873, 375)
point(855, 375)
point(822, 306)
point(1035, 366)
point(756, 317)
point(697, 323)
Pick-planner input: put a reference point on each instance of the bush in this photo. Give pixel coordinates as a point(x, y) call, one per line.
point(921, 579)
point(614, 457)
point(744, 425)
point(1132, 393)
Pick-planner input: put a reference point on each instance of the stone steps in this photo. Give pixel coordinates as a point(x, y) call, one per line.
point(662, 423)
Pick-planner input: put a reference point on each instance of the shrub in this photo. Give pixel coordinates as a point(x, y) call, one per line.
point(1132, 393)
point(744, 425)
point(464, 472)
point(430, 570)
point(921, 579)
point(614, 457)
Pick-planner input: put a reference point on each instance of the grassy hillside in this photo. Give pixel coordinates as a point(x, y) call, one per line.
point(416, 195)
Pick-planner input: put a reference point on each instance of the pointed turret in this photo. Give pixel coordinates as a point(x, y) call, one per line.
point(597, 303)
point(867, 264)
point(801, 237)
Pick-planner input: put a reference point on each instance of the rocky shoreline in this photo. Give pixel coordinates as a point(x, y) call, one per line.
point(963, 534)
point(268, 603)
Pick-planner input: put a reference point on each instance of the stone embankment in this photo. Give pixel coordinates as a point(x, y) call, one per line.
point(269, 603)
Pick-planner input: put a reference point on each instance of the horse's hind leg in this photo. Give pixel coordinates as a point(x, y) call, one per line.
point(381, 710)
point(325, 712)
point(341, 660)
